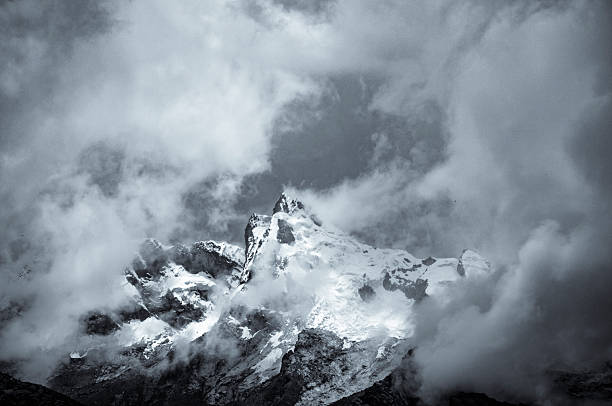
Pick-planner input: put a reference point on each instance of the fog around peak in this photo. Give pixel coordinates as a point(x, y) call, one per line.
point(430, 127)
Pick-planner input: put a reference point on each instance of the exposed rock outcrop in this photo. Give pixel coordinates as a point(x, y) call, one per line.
point(303, 315)
point(14, 392)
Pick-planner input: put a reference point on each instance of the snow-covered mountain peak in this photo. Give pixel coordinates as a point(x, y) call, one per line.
point(357, 291)
point(287, 204)
point(298, 284)
point(261, 229)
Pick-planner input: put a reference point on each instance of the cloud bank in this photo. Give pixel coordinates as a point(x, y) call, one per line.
point(523, 100)
point(111, 113)
point(431, 126)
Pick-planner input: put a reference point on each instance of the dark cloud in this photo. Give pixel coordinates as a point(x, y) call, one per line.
point(315, 7)
point(322, 141)
point(427, 126)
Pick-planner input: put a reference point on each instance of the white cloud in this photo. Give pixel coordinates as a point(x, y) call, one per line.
point(191, 90)
point(514, 100)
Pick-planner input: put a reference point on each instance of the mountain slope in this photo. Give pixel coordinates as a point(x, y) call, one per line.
point(14, 392)
point(304, 308)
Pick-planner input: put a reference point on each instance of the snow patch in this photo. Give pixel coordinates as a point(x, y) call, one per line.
point(246, 333)
point(269, 361)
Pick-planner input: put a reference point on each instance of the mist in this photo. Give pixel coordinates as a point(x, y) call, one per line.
point(431, 127)
point(107, 125)
point(521, 106)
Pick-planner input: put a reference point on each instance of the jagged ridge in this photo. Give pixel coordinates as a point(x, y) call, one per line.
point(331, 312)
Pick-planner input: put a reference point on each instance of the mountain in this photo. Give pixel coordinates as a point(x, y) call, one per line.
point(304, 314)
point(14, 392)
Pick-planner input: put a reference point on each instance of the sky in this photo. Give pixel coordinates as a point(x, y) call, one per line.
point(427, 126)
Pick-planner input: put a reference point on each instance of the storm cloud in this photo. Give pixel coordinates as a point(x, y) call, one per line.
point(522, 104)
point(429, 126)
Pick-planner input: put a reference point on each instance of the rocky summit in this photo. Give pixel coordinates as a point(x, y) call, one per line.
point(304, 314)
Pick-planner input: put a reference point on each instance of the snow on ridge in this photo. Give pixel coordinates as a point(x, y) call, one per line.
point(354, 290)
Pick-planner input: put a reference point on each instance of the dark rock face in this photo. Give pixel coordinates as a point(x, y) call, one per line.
point(216, 369)
point(366, 293)
point(412, 289)
point(152, 259)
point(164, 305)
point(287, 205)
point(388, 392)
point(321, 369)
point(206, 257)
point(586, 385)
point(460, 267)
point(178, 314)
point(315, 360)
point(428, 261)
point(14, 392)
point(203, 256)
point(255, 221)
point(253, 241)
point(284, 235)
point(176, 305)
point(99, 323)
point(134, 312)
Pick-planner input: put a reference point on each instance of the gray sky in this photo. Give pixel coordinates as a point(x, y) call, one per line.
point(429, 126)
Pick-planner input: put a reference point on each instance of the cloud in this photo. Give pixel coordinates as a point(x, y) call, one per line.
point(430, 126)
point(112, 113)
point(525, 103)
